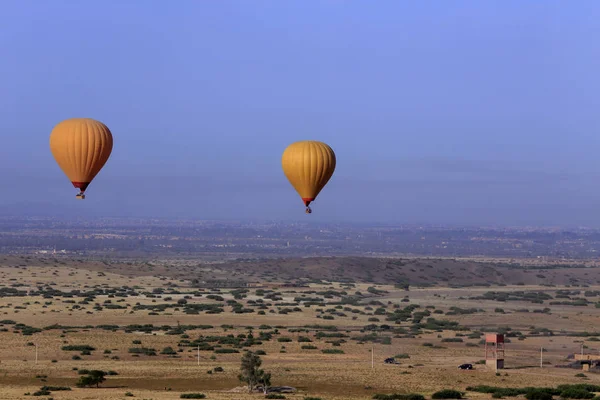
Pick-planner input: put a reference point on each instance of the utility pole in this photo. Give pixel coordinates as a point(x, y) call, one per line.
point(198, 355)
point(372, 356)
point(541, 357)
point(36, 353)
point(581, 348)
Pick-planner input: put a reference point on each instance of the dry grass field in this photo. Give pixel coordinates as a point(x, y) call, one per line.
point(144, 322)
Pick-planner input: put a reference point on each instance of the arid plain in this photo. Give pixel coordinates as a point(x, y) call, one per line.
point(315, 323)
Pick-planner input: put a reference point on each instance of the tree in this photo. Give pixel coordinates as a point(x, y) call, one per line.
point(250, 369)
point(251, 373)
point(94, 377)
point(265, 380)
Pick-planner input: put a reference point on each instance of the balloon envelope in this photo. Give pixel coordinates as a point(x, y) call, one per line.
point(308, 165)
point(81, 147)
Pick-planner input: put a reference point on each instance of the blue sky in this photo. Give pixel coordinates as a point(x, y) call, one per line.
point(440, 112)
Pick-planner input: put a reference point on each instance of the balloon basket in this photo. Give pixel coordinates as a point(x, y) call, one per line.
point(80, 196)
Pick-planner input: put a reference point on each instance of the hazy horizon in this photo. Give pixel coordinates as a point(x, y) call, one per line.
point(466, 113)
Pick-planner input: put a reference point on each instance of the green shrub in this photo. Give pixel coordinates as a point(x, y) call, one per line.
point(447, 394)
point(397, 396)
point(226, 351)
point(54, 388)
point(538, 395)
point(332, 351)
point(168, 350)
point(500, 392)
point(142, 350)
point(583, 386)
point(576, 393)
point(81, 347)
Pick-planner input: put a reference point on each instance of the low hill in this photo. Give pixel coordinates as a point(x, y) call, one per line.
point(441, 272)
point(418, 271)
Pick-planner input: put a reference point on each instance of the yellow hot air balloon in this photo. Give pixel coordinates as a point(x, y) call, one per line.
point(308, 165)
point(81, 147)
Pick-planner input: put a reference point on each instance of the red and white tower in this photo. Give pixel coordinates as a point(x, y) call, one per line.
point(494, 351)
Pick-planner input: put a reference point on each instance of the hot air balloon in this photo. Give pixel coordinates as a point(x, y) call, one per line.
point(308, 165)
point(81, 147)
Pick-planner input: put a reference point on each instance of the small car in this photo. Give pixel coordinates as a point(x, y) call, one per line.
point(465, 366)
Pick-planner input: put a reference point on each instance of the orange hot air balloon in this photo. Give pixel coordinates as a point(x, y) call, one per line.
point(308, 165)
point(81, 147)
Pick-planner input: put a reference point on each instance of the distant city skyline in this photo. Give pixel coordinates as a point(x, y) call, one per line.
point(235, 239)
point(466, 113)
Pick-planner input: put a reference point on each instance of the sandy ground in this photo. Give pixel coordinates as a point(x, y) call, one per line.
point(329, 376)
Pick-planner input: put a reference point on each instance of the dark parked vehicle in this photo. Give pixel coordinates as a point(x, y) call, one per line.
point(465, 366)
point(391, 360)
